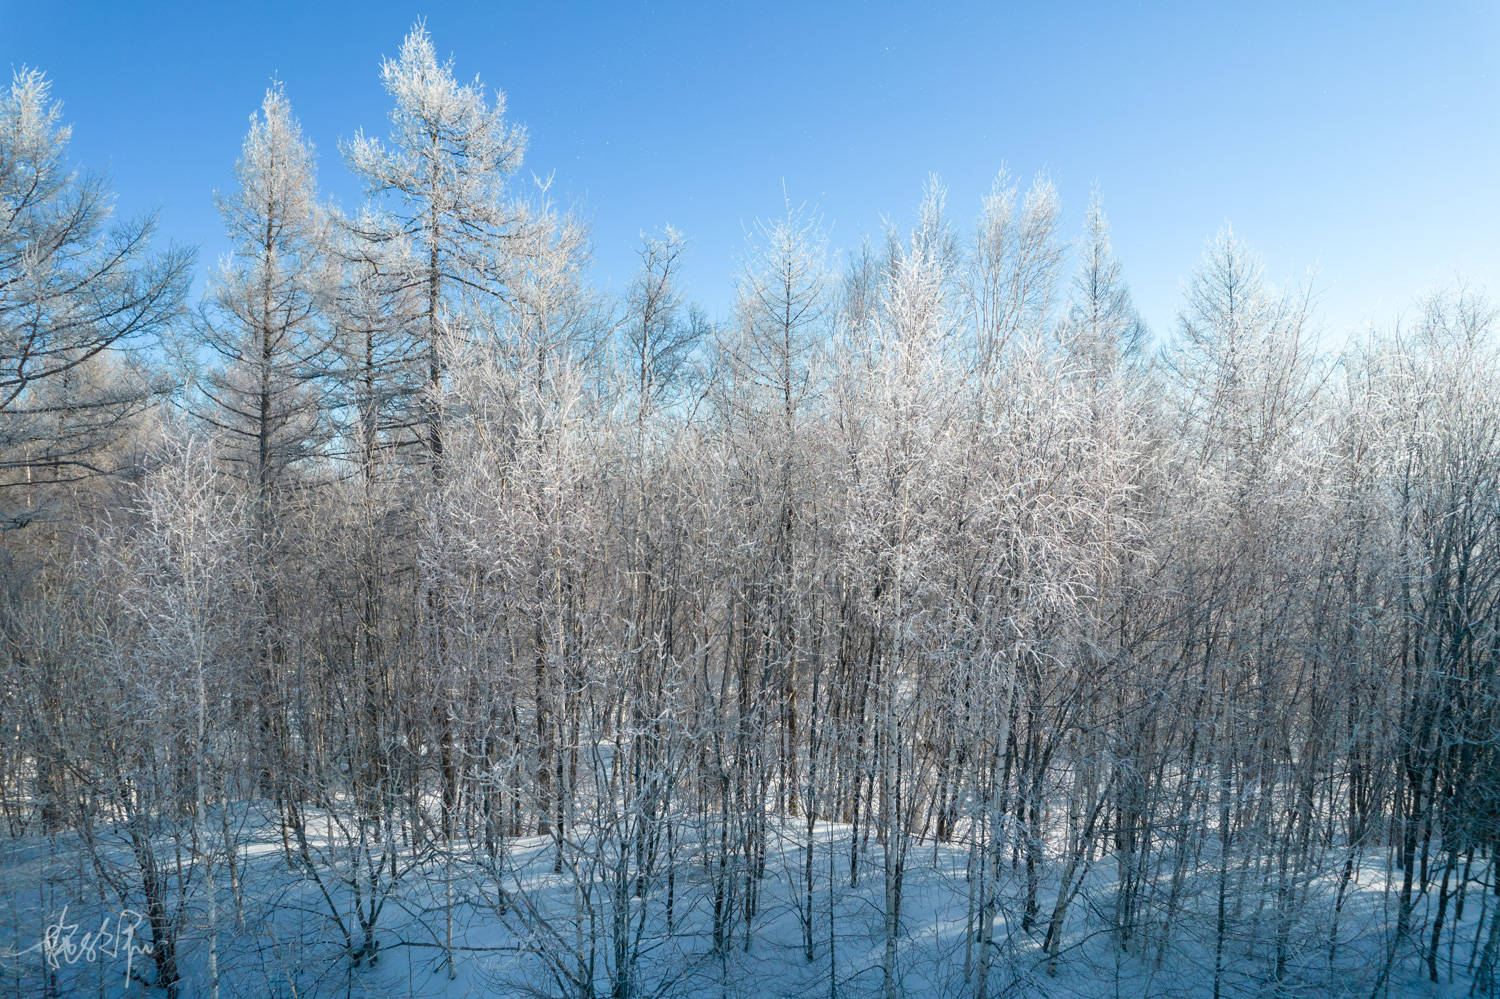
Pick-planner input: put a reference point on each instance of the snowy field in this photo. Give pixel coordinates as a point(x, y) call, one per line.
point(535, 931)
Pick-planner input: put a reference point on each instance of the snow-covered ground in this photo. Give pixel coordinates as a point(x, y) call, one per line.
point(524, 931)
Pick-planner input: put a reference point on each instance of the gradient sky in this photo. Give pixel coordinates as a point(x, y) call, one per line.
point(1359, 142)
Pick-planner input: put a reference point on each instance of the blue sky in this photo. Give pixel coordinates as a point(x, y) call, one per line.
point(1361, 142)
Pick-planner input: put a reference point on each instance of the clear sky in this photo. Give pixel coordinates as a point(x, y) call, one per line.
point(1359, 141)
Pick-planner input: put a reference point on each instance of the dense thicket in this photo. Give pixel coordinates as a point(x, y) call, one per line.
point(441, 549)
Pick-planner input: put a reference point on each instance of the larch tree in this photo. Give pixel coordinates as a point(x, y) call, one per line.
point(264, 319)
point(782, 313)
point(441, 183)
point(441, 179)
point(265, 309)
point(76, 290)
point(1102, 329)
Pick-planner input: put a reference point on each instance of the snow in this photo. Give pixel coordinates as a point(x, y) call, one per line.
point(287, 944)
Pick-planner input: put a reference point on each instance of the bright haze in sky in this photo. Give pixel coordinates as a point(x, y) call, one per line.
point(1355, 143)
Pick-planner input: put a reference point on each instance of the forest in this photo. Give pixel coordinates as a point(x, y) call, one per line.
point(404, 615)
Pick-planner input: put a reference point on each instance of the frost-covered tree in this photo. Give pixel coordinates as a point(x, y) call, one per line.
point(441, 179)
point(657, 339)
point(782, 313)
point(75, 290)
point(265, 312)
point(172, 656)
point(373, 368)
point(264, 319)
point(1013, 266)
point(1102, 330)
point(1241, 362)
point(440, 182)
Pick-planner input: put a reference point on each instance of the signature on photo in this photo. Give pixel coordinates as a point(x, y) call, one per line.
point(65, 943)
